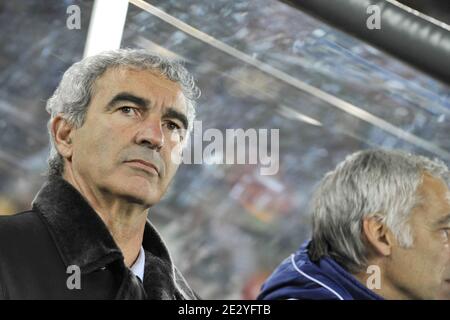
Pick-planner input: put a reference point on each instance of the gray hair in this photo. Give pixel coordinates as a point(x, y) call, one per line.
point(73, 94)
point(371, 183)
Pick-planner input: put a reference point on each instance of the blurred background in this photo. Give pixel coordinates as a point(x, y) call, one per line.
point(228, 226)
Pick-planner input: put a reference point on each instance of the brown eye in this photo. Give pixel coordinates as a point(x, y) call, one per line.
point(129, 111)
point(173, 126)
point(125, 109)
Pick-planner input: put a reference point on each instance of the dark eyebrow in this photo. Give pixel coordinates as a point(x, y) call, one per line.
point(144, 103)
point(443, 221)
point(125, 96)
point(174, 114)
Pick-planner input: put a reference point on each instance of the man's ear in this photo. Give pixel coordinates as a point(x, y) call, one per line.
point(62, 132)
point(378, 235)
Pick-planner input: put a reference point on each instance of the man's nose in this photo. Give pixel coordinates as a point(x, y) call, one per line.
point(151, 134)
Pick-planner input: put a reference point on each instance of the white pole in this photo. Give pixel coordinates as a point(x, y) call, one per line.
point(106, 26)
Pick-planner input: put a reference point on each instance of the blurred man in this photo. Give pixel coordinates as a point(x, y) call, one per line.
point(118, 120)
point(381, 223)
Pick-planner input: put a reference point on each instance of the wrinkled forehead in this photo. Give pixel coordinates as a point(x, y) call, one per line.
point(148, 83)
point(123, 74)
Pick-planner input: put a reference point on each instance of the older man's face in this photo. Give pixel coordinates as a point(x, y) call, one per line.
point(423, 271)
point(135, 119)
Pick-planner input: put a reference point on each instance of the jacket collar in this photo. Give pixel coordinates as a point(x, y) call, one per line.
point(332, 274)
point(79, 233)
point(300, 278)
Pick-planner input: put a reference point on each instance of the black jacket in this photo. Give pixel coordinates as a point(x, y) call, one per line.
point(62, 230)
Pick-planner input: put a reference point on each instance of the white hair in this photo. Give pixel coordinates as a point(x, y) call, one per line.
point(368, 183)
point(73, 94)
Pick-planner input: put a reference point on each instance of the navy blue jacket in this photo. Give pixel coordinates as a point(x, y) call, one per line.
point(297, 277)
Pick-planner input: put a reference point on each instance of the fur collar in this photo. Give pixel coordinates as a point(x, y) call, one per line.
point(83, 239)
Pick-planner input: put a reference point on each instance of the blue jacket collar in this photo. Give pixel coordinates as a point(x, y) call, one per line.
point(297, 277)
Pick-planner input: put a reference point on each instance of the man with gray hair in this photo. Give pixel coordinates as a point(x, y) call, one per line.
point(381, 223)
point(118, 123)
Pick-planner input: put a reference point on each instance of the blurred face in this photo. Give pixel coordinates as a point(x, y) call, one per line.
point(134, 121)
point(423, 271)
